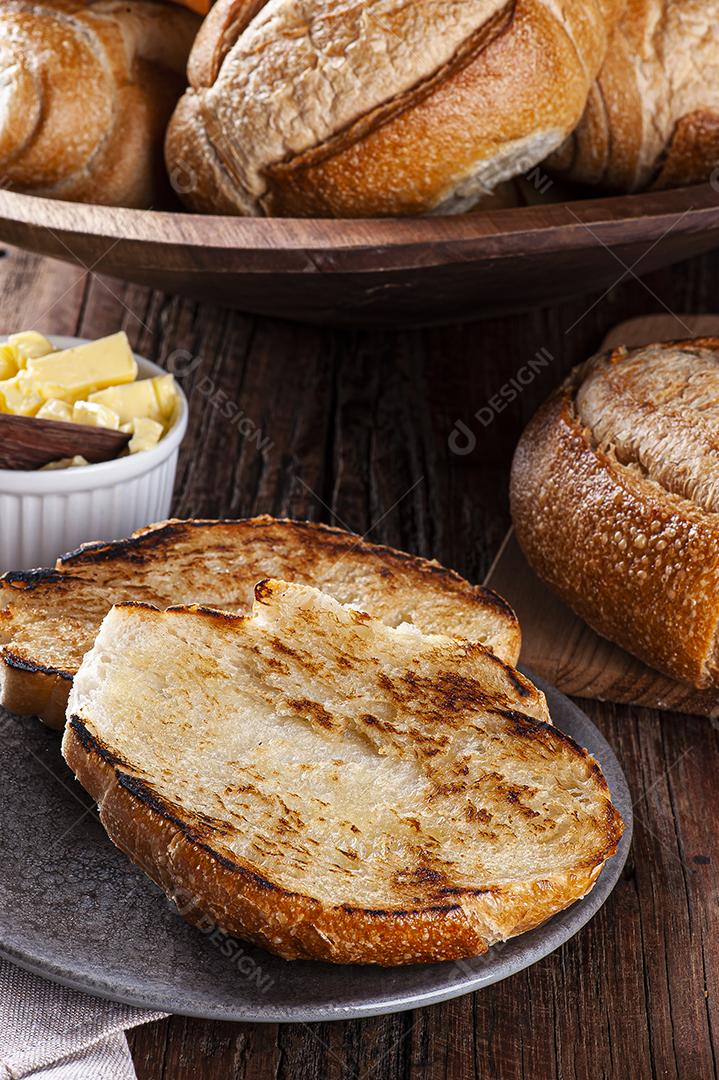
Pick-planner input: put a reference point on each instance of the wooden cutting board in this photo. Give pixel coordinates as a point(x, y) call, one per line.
point(559, 646)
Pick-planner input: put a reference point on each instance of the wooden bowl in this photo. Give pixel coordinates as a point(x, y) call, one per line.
point(387, 271)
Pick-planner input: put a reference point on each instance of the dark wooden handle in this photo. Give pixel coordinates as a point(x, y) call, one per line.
point(28, 443)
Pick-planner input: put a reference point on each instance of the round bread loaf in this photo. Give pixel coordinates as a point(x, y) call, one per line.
point(652, 118)
point(615, 501)
point(356, 108)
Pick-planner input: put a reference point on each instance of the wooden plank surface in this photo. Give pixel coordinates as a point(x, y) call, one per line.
point(558, 645)
point(359, 427)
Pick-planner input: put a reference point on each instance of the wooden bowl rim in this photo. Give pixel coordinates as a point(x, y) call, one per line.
point(384, 242)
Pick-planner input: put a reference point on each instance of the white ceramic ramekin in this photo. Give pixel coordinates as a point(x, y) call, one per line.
point(45, 513)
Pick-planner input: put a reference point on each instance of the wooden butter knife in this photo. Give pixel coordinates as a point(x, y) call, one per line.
point(29, 443)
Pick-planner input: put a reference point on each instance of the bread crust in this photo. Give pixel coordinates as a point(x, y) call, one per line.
point(102, 143)
point(652, 119)
point(31, 684)
point(430, 135)
point(635, 559)
point(201, 7)
point(27, 690)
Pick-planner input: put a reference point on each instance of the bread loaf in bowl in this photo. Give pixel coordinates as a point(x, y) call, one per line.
point(615, 501)
point(87, 90)
point(379, 107)
point(652, 118)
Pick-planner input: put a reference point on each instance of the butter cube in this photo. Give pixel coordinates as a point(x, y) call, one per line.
point(156, 399)
point(147, 433)
point(8, 361)
point(67, 463)
point(30, 344)
point(167, 395)
point(55, 410)
point(134, 400)
point(19, 395)
point(73, 374)
point(95, 415)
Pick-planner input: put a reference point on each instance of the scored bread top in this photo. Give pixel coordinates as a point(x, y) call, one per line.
point(328, 65)
point(657, 408)
point(49, 618)
point(335, 764)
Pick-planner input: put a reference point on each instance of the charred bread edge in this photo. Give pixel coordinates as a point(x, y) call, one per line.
point(32, 689)
point(558, 430)
point(205, 883)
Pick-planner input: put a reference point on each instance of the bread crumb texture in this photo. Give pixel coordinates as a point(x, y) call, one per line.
point(375, 792)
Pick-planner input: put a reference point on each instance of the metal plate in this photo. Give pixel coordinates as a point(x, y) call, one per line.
point(72, 908)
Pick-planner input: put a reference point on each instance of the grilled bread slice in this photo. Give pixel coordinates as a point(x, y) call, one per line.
point(49, 618)
point(332, 788)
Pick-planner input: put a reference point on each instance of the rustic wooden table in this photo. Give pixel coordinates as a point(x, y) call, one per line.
point(355, 428)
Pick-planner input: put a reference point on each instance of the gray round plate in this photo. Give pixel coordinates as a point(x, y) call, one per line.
point(72, 908)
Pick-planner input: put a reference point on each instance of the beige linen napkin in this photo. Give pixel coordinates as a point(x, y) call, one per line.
point(50, 1033)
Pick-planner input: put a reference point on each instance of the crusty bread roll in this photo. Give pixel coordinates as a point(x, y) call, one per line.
point(652, 119)
point(615, 500)
point(378, 107)
point(87, 90)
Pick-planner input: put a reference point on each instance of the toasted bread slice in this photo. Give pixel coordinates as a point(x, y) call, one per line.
point(49, 618)
point(332, 788)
